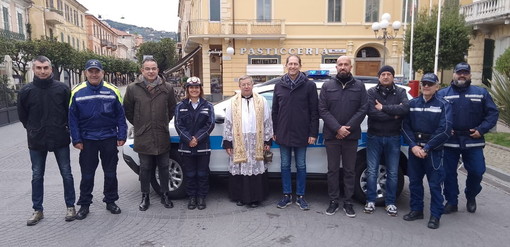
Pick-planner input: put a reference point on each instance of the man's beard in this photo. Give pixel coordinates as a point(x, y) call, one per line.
point(343, 74)
point(461, 83)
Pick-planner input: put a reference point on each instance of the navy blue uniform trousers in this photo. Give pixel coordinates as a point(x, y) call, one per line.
point(89, 160)
point(432, 166)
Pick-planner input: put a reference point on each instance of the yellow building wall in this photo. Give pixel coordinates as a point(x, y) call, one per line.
point(305, 26)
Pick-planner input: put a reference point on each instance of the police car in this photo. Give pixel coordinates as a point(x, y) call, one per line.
point(316, 165)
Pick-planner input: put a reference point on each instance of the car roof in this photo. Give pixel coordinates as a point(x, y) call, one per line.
point(362, 78)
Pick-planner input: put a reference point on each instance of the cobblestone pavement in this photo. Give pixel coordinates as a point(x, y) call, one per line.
point(223, 223)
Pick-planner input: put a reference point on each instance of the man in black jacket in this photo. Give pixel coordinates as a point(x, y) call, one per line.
point(42, 108)
point(387, 105)
point(295, 126)
point(342, 106)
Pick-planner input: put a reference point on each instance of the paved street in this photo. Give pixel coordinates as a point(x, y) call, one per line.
point(223, 223)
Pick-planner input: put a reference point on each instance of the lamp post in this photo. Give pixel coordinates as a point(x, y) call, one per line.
point(386, 34)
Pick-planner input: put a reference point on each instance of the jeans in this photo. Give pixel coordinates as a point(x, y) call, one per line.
point(432, 166)
point(389, 148)
point(300, 159)
point(474, 162)
point(147, 165)
point(341, 152)
point(38, 158)
point(89, 161)
point(196, 171)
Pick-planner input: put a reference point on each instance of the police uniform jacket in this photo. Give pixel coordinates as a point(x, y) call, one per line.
point(43, 106)
point(428, 123)
point(472, 108)
point(96, 113)
point(197, 122)
point(341, 105)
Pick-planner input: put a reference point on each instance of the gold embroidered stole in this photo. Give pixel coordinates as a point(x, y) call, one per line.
point(238, 140)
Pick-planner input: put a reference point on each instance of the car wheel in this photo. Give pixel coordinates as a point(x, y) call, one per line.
point(176, 181)
point(360, 188)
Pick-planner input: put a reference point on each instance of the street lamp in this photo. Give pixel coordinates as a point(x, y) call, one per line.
point(385, 22)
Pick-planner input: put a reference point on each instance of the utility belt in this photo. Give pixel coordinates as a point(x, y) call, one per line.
point(462, 132)
point(422, 138)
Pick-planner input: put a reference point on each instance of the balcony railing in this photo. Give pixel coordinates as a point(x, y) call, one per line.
point(11, 35)
point(239, 27)
point(54, 17)
point(486, 11)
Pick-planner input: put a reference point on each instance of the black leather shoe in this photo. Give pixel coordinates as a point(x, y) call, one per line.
point(254, 204)
point(144, 205)
point(165, 200)
point(433, 223)
point(83, 212)
point(449, 208)
point(201, 203)
point(239, 203)
point(471, 205)
point(192, 204)
point(113, 208)
point(413, 215)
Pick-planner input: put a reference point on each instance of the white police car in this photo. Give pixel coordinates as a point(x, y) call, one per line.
point(316, 165)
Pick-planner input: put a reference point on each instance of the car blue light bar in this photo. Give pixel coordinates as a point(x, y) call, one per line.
point(317, 73)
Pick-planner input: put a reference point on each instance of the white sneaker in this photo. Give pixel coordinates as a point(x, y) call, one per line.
point(391, 210)
point(369, 208)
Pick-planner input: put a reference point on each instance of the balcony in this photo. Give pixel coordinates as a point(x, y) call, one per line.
point(104, 42)
point(487, 12)
point(6, 34)
point(53, 17)
point(196, 30)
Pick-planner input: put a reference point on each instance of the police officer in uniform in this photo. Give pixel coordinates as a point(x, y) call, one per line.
point(474, 114)
point(426, 128)
point(194, 121)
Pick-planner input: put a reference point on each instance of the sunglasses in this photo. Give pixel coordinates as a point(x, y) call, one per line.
point(427, 83)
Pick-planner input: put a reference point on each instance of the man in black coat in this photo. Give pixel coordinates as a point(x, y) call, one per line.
point(342, 106)
point(42, 108)
point(295, 125)
point(387, 106)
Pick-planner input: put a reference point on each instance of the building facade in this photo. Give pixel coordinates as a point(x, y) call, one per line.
point(263, 33)
point(62, 20)
point(102, 39)
point(13, 26)
point(490, 20)
point(127, 45)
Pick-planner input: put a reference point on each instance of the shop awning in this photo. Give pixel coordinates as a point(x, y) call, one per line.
point(183, 61)
point(264, 69)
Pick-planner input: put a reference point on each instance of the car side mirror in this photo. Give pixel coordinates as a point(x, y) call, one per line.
point(219, 120)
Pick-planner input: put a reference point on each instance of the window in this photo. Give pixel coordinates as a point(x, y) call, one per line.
point(329, 59)
point(371, 10)
point(263, 10)
point(20, 24)
point(60, 5)
point(264, 61)
point(334, 10)
point(49, 4)
point(5, 12)
point(62, 37)
point(214, 8)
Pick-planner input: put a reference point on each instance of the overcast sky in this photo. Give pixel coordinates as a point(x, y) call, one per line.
point(158, 14)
